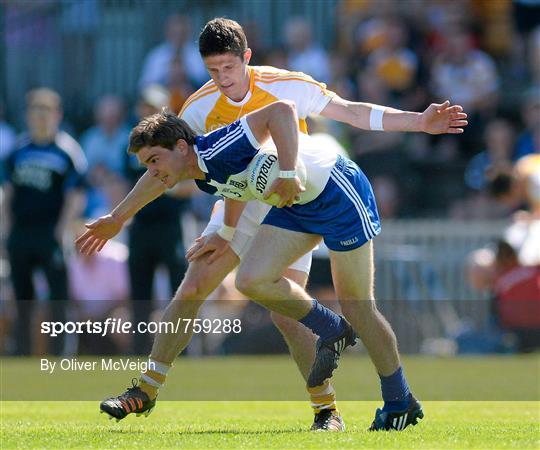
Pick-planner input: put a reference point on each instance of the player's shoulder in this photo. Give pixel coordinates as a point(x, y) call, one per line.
point(22, 141)
point(71, 148)
point(270, 75)
point(205, 93)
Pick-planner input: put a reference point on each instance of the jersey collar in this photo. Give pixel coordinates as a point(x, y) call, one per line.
point(200, 161)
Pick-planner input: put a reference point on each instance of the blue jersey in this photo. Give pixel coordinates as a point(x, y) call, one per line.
point(224, 156)
point(342, 209)
point(41, 175)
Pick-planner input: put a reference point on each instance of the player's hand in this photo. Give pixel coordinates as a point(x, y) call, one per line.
point(212, 243)
point(443, 118)
point(98, 233)
point(288, 190)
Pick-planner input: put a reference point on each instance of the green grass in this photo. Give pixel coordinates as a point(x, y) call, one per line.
point(195, 419)
point(265, 425)
point(487, 378)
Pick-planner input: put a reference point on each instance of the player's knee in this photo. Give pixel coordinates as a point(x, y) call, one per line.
point(249, 282)
point(362, 308)
point(191, 291)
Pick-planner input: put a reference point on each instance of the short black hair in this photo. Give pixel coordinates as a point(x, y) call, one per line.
point(222, 35)
point(161, 129)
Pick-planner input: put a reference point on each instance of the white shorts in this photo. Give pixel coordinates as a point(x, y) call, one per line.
point(247, 227)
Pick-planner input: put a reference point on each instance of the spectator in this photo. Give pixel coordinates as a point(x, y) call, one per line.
point(463, 74)
point(517, 297)
point(155, 236)
point(529, 140)
point(7, 136)
point(178, 85)
point(304, 55)
point(178, 44)
point(393, 62)
point(152, 99)
point(105, 143)
point(32, 50)
point(534, 55)
point(499, 137)
point(518, 186)
point(44, 195)
point(467, 76)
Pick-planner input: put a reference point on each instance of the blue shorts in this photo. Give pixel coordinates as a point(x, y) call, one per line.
point(344, 214)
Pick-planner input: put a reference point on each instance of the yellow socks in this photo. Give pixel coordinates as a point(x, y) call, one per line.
point(154, 377)
point(322, 397)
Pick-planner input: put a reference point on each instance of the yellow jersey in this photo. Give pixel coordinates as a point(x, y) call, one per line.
point(208, 109)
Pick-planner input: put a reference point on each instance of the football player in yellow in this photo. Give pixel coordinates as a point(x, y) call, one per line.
point(236, 89)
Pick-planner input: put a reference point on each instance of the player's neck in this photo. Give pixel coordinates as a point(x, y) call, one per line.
point(246, 82)
point(44, 138)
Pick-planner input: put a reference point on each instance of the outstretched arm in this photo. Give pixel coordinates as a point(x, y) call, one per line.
point(436, 119)
point(106, 227)
point(280, 121)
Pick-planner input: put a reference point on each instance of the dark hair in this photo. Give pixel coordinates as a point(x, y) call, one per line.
point(220, 36)
point(161, 129)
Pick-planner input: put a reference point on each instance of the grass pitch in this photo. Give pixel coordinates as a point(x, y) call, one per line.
point(196, 420)
point(265, 425)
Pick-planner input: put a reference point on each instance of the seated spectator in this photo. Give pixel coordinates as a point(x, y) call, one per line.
point(517, 297)
point(534, 55)
point(178, 44)
point(151, 100)
point(463, 74)
point(499, 138)
point(105, 143)
point(394, 63)
point(179, 86)
point(519, 185)
point(529, 139)
point(468, 77)
point(304, 54)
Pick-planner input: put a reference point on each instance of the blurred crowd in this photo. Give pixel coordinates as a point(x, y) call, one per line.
point(482, 54)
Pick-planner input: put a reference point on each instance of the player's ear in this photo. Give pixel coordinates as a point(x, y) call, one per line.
point(247, 55)
point(182, 145)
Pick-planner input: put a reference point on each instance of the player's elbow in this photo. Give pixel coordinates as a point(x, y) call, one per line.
point(284, 108)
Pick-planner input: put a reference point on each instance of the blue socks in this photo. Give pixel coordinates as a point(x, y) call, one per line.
point(395, 391)
point(324, 322)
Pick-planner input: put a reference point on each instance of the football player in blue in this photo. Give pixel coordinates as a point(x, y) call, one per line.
point(337, 206)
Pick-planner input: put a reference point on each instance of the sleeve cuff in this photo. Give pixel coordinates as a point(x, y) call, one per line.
point(252, 140)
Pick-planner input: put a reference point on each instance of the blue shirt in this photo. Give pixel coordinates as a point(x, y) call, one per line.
point(41, 175)
point(224, 156)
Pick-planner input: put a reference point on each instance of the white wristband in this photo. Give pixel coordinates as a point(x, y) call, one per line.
point(287, 174)
point(375, 117)
point(226, 232)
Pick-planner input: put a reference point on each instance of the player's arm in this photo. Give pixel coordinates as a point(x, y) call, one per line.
point(106, 227)
point(71, 209)
point(280, 122)
point(436, 119)
point(217, 243)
